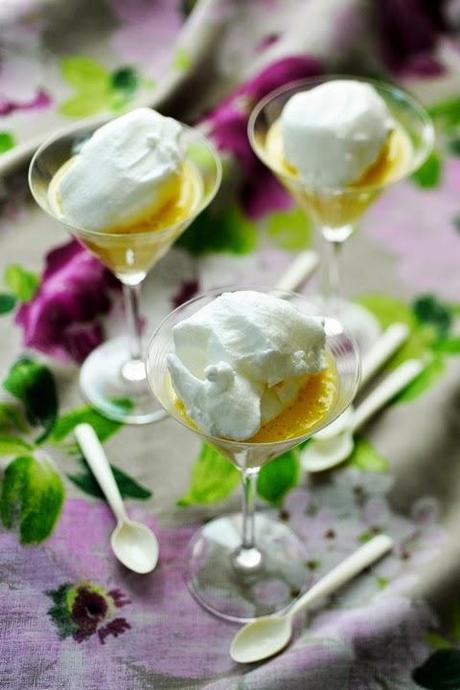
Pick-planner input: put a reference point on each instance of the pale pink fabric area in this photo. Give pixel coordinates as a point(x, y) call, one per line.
point(417, 226)
point(147, 33)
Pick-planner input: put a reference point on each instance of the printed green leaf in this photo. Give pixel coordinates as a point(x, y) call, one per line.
point(11, 418)
point(67, 422)
point(125, 79)
point(449, 346)
point(429, 175)
point(182, 60)
point(32, 496)
point(388, 310)
point(33, 384)
point(22, 283)
point(382, 582)
point(437, 641)
point(441, 671)
point(446, 112)
point(129, 487)
point(13, 445)
point(60, 612)
point(213, 478)
point(186, 7)
point(278, 476)
point(7, 303)
point(290, 230)
point(85, 104)
point(84, 73)
point(429, 310)
point(7, 141)
point(220, 231)
point(367, 458)
point(454, 146)
point(430, 375)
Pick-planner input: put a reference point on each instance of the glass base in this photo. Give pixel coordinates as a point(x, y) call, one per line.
point(216, 579)
point(117, 387)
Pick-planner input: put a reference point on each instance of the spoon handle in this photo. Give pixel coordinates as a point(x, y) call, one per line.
point(298, 271)
point(390, 341)
point(385, 391)
point(97, 460)
point(365, 556)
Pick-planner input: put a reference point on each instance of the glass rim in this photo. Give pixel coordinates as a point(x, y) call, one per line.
point(143, 233)
point(388, 88)
point(294, 440)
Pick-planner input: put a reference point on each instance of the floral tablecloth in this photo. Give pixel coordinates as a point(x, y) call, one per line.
point(70, 615)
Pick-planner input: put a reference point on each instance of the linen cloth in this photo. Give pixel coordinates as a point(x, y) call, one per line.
point(71, 616)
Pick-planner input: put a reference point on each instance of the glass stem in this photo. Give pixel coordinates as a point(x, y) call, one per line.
point(332, 283)
point(134, 369)
point(247, 558)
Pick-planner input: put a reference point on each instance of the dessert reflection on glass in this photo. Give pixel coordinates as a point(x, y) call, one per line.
point(126, 190)
point(336, 144)
point(253, 374)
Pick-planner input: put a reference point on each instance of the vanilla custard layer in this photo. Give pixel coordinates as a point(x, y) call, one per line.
point(315, 399)
point(135, 248)
point(339, 208)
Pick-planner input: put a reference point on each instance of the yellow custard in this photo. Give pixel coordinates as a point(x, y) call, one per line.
point(312, 404)
point(339, 208)
point(131, 249)
point(315, 399)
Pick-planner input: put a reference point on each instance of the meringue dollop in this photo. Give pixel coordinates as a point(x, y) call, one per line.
point(127, 169)
point(242, 359)
point(333, 133)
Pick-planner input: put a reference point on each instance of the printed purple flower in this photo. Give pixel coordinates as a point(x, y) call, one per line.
point(409, 31)
point(84, 609)
point(41, 100)
point(227, 125)
point(63, 318)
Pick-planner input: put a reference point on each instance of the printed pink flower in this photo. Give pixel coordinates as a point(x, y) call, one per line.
point(227, 125)
point(82, 610)
point(40, 100)
point(63, 318)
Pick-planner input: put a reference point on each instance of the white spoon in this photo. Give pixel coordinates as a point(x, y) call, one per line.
point(133, 543)
point(333, 445)
point(301, 268)
point(266, 636)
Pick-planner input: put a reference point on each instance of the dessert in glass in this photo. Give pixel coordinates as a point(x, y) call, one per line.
point(336, 144)
point(126, 191)
point(253, 373)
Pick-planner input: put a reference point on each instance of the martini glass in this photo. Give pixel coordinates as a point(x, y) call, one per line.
point(113, 377)
point(244, 566)
point(336, 212)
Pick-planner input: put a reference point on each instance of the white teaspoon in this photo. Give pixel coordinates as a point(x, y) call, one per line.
point(266, 636)
point(334, 445)
point(133, 543)
point(301, 268)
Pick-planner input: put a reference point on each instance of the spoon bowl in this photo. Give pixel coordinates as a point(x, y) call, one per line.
point(135, 546)
point(263, 638)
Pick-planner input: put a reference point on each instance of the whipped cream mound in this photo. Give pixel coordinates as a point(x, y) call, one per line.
point(241, 359)
point(333, 133)
point(127, 169)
